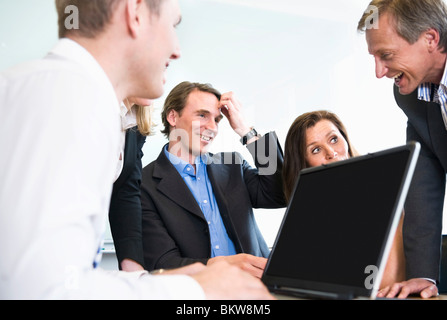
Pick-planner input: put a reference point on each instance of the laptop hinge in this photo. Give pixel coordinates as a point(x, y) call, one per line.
point(312, 294)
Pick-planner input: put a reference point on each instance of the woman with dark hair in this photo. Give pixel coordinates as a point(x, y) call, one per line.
point(317, 138)
point(299, 155)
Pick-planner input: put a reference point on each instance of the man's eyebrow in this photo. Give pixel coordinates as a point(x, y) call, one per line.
point(380, 51)
point(202, 111)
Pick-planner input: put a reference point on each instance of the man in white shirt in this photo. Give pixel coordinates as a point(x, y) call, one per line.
point(59, 136)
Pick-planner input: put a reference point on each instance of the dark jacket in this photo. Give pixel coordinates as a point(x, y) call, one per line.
point(422, 227)
point(175, 232)
point(125, 204)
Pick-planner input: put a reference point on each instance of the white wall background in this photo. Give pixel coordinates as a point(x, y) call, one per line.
point(280, 57)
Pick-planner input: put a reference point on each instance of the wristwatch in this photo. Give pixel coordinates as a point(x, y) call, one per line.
point(252, 133)
point(158, 271)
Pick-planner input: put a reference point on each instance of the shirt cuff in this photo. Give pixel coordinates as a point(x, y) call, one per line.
point(428, 279)
point(173, 287)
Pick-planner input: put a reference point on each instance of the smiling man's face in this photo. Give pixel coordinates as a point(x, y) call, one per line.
point(408, 64)
point(196, 126)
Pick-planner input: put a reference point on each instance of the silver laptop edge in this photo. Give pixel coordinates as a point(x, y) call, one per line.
point(399, 208)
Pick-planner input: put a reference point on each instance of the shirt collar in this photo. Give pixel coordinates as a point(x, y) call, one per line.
point(182, 166)
point(128, 117)
point(443, 83)
point(425, 89)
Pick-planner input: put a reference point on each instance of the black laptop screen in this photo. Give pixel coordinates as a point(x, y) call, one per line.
point(337, 222)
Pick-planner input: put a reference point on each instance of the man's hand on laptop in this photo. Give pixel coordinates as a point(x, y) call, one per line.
point(247, 262)
point(402, 290)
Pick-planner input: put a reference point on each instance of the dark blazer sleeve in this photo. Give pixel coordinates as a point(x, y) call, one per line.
point(125, 204)
point(264, 182)
point(422, 226)
point(240, 187)
point(423, 214)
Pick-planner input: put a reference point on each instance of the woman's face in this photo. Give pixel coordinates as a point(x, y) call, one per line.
point(325, 144)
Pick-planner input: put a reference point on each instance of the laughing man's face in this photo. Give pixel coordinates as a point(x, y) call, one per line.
point(395, 58)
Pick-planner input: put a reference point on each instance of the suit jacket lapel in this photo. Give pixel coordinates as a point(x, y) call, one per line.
point(438, 132)
point(219, 180)
point(172, 185)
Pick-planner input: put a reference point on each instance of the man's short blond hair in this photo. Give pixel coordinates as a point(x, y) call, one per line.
point(93, 15)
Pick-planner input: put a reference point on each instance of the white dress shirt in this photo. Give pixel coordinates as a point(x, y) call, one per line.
point(60, 132)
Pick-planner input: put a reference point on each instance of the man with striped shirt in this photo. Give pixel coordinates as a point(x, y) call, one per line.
point(408, 40)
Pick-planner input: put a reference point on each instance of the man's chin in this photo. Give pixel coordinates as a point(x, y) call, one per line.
point(199, 153)
point(406, 90)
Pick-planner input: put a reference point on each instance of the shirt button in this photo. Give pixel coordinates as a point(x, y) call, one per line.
point(216, 247)
point(205, 201)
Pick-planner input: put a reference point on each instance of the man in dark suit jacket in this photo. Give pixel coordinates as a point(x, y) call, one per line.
point(177, 230)
point(408, 40)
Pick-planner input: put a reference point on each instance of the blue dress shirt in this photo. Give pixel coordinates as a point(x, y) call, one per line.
point(200, 186)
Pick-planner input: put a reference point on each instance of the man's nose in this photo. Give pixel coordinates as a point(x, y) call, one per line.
point(381, 68)
point(212, 126)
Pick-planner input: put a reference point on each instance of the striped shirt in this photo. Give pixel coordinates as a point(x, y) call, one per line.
point(436, 93)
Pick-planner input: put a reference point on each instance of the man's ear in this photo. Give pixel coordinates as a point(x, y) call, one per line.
point(134, 11)
point(172, 118)
point(432, 39)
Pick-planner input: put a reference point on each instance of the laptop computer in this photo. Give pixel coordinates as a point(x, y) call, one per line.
point(339, 226)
